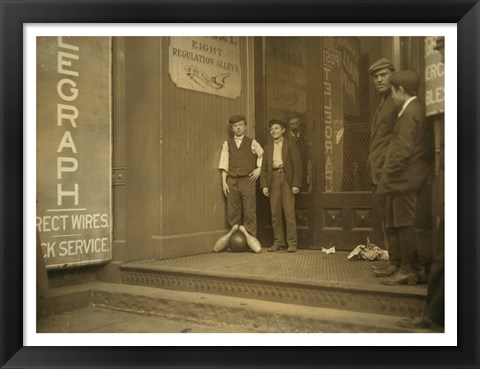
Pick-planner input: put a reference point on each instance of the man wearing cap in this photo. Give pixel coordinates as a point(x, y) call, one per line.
point(280, 180)
point(381, 133)
point(405, 172)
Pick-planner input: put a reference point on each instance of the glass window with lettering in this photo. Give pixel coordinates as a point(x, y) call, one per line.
point(345, 113)
point(286, 95)
point(322, 84)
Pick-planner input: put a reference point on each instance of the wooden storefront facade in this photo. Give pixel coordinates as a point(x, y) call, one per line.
point(171, 98)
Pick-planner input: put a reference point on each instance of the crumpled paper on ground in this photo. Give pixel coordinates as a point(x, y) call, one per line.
point(330, 250)
point(369, 252)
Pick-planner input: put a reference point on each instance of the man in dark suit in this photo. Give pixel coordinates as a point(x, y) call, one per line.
point(405, 172)
point(280, 180)
point(381, 133)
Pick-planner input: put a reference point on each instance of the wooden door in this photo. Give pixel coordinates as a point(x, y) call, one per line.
point(282, 81)
point(344, 200)
point(318, 80)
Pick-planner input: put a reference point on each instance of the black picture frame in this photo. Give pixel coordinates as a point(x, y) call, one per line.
point(14, 14)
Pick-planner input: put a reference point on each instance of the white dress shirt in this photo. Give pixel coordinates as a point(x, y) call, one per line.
point(405, 104)
point(277, 154)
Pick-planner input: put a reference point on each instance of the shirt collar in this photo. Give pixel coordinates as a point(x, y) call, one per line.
point(239, 138)
point(279, 141)
point(405, 104)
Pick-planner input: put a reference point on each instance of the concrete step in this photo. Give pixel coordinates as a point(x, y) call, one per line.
point(225, 312)
point(308, 278)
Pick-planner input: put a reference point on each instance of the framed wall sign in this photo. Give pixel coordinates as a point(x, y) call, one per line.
point(76, 99)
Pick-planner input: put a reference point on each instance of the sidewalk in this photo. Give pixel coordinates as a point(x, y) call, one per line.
point(308, 291)
point(93, 319)
point(117, 308)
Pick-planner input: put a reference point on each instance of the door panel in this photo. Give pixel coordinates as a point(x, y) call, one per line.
point(345, 219)
point(344, 201)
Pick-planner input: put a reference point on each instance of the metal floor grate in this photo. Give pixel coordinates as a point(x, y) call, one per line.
point(307, 277)
point(304, 265)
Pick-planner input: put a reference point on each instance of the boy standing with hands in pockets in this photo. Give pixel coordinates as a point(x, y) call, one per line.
point(240, 165)
point(280, 180)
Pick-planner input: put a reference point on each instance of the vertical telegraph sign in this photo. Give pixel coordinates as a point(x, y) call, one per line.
point(74, 150)
point(333, 118)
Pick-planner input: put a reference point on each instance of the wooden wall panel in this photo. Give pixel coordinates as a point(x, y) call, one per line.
point(167, 142)
point(143, 144)
point(194, 126)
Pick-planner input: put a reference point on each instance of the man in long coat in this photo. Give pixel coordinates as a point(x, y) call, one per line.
point(381, 133)
point(406, 169)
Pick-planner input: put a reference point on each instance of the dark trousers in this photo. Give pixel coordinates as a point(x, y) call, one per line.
point(282, 200)
point(403, 241)
point(242, 201)
point(378, 219)
point(393, 246)
point(400, 221)
point(423, 225)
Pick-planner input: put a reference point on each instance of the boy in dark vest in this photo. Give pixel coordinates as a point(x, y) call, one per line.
point(240, 165)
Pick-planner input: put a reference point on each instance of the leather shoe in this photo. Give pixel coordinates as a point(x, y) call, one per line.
point(274, 248)
point(386, 272)
point(292, 249)
point(380, 266)
point(400, 277)
point(420, 323)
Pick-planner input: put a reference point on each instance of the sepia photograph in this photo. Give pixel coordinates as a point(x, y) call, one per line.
point(228, 184)
point(239, 184)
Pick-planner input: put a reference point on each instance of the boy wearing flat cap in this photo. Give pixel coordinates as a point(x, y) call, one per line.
point(280, 181)
point(240, 165)
point(382, 127)
point(406, 170)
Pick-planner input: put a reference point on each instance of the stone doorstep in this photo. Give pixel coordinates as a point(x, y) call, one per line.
point(369, 298)
point(204, 308)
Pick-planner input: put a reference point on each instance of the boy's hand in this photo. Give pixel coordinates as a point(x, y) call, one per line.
point(265, 191)
point(255, 174)
point(226, 190)
point(295, 190)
